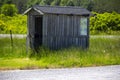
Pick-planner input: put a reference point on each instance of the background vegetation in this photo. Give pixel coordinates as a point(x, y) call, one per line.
point(105, 18)
point(108, 23)
point(9, 10)
point(17, 24)
point(100, 23)
point(92, 5)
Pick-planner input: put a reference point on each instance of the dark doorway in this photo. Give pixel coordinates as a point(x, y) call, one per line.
point(38, 31)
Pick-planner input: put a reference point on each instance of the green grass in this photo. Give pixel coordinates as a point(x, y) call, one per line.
point(18, 50)
point(108, 32)
point(102, 51)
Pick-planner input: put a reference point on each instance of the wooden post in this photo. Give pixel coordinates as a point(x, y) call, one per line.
point(27, 45)
point(11, 38)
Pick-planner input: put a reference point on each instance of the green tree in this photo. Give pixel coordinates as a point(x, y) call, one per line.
point(63, 2)
point(33, 2)
point(9, 9)
point(70, 3)
point(46, 2)
point(102, 6)
point(77, 2)
point(56, 2)
point(2, 2)
point(21, 5)
point(90, 5)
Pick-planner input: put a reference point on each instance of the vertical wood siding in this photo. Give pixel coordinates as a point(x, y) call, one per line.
point(61, 31)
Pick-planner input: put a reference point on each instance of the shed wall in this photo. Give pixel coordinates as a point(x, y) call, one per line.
point(60, 31)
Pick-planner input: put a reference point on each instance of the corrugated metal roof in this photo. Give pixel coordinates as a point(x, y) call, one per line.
point(60, 10)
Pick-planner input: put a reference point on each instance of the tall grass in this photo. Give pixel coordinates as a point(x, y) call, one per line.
point(17, 49)
point(102, 51)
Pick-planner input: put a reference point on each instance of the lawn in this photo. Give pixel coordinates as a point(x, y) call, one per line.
point(102, 51)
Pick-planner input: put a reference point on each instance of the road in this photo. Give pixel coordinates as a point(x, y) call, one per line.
point(87, 73)
point(91, 36)
point(13, 35)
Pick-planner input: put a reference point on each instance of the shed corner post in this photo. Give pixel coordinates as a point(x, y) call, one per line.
point(88, 30)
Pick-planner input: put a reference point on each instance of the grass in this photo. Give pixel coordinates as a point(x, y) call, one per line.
point(108, 32)
point(17, 50)
point(102, 51)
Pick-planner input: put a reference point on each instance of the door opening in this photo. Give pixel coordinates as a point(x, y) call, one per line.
point(38, 31)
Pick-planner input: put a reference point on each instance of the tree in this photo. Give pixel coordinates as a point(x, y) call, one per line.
point(102, 6)
point(2, 2)
point(90, 5)
point(70, 3)
point(56, 2)
point(33, 2)
point(115, 5)
point(21, 5)
point(63, 2)
point(77, 2)
point(46, 2)
point(9, 10)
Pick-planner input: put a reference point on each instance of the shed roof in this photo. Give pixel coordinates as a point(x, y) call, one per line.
point(70, 10)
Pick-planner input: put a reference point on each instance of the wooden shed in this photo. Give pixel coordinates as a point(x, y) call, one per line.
point(58, 27)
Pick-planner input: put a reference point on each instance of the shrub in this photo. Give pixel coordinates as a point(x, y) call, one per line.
point(105, 22)
point(2, 26)
point(9, 9)
point(17, 24)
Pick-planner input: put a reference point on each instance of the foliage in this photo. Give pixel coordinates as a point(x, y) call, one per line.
point(21, 5)
point(46, 2)
point(2, 26)
point(56, 2)
point(105, 22)
point(108, 23)
point(70, 3)
point(17, 24)
point(9, 10)
point(33, 2)
point(100, 6)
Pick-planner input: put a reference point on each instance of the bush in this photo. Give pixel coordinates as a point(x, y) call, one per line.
point(106, 22)
point(2, 26)
point(17, 24)
point(9, 10)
